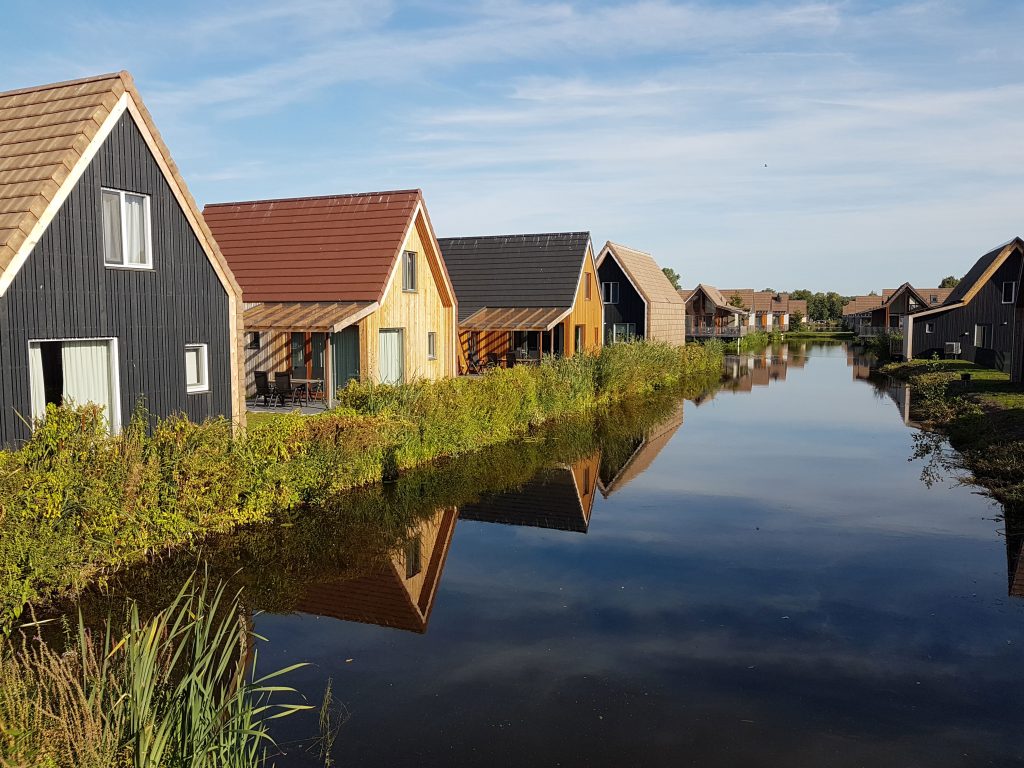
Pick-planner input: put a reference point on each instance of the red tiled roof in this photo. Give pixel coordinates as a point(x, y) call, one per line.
point(334, 248)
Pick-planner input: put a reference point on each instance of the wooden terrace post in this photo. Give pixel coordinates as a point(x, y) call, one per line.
point(328, 370)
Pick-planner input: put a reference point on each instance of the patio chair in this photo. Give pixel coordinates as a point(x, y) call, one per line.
point(264, 388)
point(285, 388)
point(473, 360)
point(510, 358)
point(493, 361)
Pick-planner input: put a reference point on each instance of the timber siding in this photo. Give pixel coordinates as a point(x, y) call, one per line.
point(65, 291)
point(630, 307)
point(984, 308)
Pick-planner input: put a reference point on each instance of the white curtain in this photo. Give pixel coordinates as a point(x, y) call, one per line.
point(35, 377)
point(390, 363)
point(135, 228)
point(87, 374)
point(111, 227)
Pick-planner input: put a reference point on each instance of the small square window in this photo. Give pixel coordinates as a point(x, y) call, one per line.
point(254, 340)
point(610, 293)
point(929, 327)
point(934, 299)
point(431, 345)
point(127, 229)
point(197, 372)
point(1009, 292)
point(409, 271)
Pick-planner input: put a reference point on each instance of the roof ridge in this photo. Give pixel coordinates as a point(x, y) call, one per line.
point(122, 74)
point(629, 248)
point(521, 234)
point(416, 191)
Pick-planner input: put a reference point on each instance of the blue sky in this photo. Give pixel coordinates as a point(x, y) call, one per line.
point(829, 145)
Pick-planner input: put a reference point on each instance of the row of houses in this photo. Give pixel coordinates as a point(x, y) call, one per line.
point(980, 320)
point(115, 287)
point(731, 313)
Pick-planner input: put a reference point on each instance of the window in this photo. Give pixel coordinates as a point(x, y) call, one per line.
point(474, 342)
point(197, 374)
point(934, 298)
point(929, 327)
point(413, 558)
point(254, 340)
point(623, 332)
point(580, 340)
point(610, 293)
point(409, 271)
point(586, 288)
point(1009, 292)
point(298, 354)
point(431, 345)
point(982, 336)
point(126, 230)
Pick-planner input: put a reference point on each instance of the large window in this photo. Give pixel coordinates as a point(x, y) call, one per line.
point(1009, 292)
point(197, 374)
point(409, 271)
point(431, 345)
point(983, 336)
point(610, 293)
point(929, 327)
point(127, 232)
point(622, 332)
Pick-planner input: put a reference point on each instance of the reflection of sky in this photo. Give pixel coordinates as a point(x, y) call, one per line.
point(810, 606)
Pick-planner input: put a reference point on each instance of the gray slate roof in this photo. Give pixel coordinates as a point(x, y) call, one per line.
point(974, 274)
point(540, 270)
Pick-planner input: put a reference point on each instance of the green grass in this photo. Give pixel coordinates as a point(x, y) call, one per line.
point(809, 334)
point(983, 417)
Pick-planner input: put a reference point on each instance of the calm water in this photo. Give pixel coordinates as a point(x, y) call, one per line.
point(761, 579)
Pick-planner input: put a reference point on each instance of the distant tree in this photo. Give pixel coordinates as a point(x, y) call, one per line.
point(672, 275)
point(767, 290)
point(796, 320)
point(949, 282)
point(873, 293)
point(801, 293)
point(736, 301)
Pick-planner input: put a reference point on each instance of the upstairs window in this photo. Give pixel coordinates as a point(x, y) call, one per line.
point(409, 271)
point(934, 298)
point(586, 288)
point(1009, 292)
point(929, 327)
point(610, 293)
point(197, 376)
point(127, 231)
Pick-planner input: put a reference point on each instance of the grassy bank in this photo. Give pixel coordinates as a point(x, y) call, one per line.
point(75, 502)
point(811, 335)
point(983, 417)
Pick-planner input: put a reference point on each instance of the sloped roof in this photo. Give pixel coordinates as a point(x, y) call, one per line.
point(656, 438)
point(549, 500)
point(982, 270)
point(306, 316)
point(716, 296)
point(859, 304)
point(513, 319)
point(46, 142)
point(538, 270)
point(331, 248)
point(644, 271)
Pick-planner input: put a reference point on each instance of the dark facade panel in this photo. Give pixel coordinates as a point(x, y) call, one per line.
point(514, 270)
point(986, 308)
point(64, 291)
point(630, 307)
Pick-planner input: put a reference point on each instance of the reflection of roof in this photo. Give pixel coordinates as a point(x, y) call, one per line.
point(385, 597)
point(656, 438)
point(333, 248)
point(515, 270)
point(551, 499)
point(513, 319)
point(645, 273)
point(309, 316)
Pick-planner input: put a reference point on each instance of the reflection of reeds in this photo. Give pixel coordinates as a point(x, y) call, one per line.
point(167, 690)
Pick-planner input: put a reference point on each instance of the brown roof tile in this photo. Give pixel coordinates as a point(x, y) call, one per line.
point(333, 248)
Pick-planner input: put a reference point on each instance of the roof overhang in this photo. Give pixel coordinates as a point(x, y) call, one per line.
point(937, 310)
point(514, 319)
point(307, 316)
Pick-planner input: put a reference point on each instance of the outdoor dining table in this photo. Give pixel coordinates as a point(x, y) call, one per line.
point(308, 385)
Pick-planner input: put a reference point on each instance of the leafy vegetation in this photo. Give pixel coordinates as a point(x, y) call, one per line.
point(983, 417)
point(949, 282)
point(673, 277)
point(167, 691)
point(75, 502)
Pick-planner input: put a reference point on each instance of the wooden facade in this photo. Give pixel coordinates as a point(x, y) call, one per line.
point(639, 300)
point(59, 293)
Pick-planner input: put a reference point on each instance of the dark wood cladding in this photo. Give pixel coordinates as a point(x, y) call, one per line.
point(65, 291)
point(630, 308)
point(985, 308)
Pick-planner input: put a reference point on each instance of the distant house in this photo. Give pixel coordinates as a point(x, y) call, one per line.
point(738, 311)
point(523, 296)
point(903, 302)
point(857, 311)
point(981, 318)
point(559, 498)
point(639, 301)
point(619, 471)
point(400, 592)
point(112, 288)
point(340, 287)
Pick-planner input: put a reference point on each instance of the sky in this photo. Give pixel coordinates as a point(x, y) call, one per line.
point(845, 146)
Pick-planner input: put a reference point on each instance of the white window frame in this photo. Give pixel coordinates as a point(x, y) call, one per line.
point(203, 386)
point(410, 257)
point(1013, 291)
point(115, 377)
point(431, 345)
point(123, 264)
point(611, 295)
point(929, 327)
point(986, 328)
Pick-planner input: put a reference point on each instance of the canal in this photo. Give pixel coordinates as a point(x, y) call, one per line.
point(756, 576)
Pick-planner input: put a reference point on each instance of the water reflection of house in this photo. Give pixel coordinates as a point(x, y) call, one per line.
point(741, 373)
point(614, 476)
point(1014, 529)
point(400, 592)
point(559, 498)
point(859, 364)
